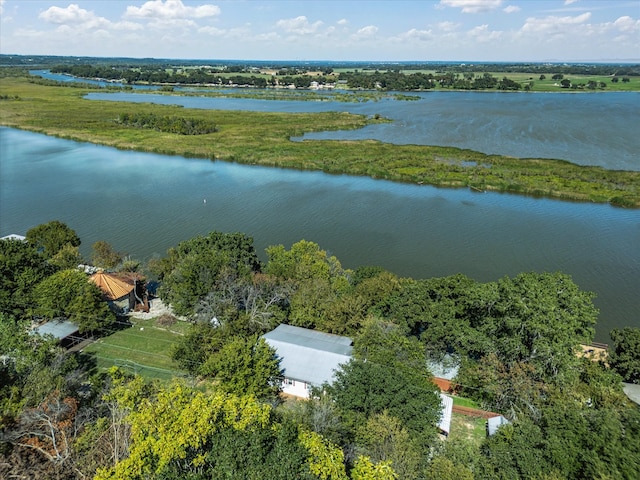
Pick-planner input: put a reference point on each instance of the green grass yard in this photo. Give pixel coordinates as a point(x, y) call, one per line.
point(143, 348)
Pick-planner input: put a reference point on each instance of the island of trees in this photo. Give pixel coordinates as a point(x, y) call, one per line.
point(218, 413)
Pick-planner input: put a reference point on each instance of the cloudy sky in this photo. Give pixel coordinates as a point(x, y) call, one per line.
point(419, 30)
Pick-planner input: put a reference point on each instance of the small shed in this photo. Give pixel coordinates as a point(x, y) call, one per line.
point(65, 331)
point(309, 358)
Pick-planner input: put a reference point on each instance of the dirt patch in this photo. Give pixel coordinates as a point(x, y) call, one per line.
point(156, 309)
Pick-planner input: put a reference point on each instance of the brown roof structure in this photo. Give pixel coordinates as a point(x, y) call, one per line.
point(112, 287)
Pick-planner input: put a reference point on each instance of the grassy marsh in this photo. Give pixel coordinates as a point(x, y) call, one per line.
point(263, 138)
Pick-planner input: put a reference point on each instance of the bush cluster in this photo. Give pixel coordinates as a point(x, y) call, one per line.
point(167, 124)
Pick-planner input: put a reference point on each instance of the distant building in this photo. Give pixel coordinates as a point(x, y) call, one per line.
point(309, 358)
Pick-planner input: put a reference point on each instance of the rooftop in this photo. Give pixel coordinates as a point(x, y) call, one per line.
point(58, 328)
point(308, 355)
point(447, 409)
point(112, 287)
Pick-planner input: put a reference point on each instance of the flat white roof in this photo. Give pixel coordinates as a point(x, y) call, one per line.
point(445, 417)
point(307, 355)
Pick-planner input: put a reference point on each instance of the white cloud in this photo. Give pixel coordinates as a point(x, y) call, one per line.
point(569, 2)
point(511, 9)
point(299, 25)
point(553, 23)
point(472, 6)
point(415, 34)
point(366, 32)
point(343, 21)
point(171, 10)
point(627, 24)
point(481, 33)
point(1, 6)
point(72, 14)
point(448, 26)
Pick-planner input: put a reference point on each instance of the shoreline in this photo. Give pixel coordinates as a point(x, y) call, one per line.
point(264, 138)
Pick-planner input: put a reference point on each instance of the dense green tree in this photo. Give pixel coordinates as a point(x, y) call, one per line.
point(49, 238)
point(70, 294)
point(21, 269)
point(201, 265)
point(383, 439)
point(569, 441)
point(512, 390)
point(104, 256)
point(67, 257)
point(246, 366)
point(624, 356)
point(193, 349)
point(317, 279)
point(30, 367)
point(388, 373)
point(362, 389)
point(542, 319)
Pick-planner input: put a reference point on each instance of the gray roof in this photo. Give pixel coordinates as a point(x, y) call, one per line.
point(494, 423)
point(308, 355)
point(445, 414)
point(58, 328)
point(632, 391)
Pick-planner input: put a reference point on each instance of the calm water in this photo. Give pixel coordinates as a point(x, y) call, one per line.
point(144, 203)
point(584, 128)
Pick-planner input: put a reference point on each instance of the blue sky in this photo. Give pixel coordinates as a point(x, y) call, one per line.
point(419, 30)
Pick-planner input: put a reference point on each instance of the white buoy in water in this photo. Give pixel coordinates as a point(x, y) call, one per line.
point(205, 200)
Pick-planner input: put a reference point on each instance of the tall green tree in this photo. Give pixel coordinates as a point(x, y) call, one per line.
point(246, 366)
point(201, 265)
point(388, 373)
point(49, 238)
point(624, 357)
point(67, 257)
point(104, 255)
point(318, 280)
point(21, 269)
point(70, 294)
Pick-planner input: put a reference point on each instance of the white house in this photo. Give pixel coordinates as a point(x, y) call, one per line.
point(309, 358)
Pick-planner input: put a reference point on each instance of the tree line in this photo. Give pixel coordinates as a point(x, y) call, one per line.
point(167, 124)
point(515, 341)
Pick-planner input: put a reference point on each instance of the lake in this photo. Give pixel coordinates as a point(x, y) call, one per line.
point(145, 203)
point(584, 128)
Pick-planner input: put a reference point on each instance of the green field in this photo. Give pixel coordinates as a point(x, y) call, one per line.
point(468, 429)
point(144, 348)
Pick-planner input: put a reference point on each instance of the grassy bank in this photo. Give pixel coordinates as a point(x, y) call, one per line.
point(264, 139)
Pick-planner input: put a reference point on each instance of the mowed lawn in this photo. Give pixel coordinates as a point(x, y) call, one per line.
point(144, 348)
